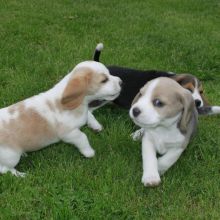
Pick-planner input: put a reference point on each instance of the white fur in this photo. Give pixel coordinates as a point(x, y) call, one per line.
point(160, 135)
point(66, 122)
point(196, 94)
point(99, 46)
point(215, 109)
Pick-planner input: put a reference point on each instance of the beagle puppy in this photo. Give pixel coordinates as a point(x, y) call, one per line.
point(134, 79)
point(54, 115)
point(166, 111)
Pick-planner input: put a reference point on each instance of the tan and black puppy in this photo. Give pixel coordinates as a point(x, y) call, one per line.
point(167, 114)
point(134, 79)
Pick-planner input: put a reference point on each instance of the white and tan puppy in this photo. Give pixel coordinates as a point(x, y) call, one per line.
point(54, 115)
point(167, 114)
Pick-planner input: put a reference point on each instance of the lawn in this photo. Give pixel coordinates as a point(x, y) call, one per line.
point(40, 41)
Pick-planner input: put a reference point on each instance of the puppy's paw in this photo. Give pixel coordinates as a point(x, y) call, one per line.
point(151, 180)
point(88, 152)
point(96, 127)
point(17, 173)
point(137, 135)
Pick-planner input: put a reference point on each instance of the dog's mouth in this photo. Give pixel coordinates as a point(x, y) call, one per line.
point(99, 102)
point(143, 125)
point(96, 103)
point(112, 97)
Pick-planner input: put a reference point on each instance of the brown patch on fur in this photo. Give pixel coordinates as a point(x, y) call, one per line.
point(84, 82)
point(175, 99)
point(15, 107)
point(28, 132)
point(189, 86)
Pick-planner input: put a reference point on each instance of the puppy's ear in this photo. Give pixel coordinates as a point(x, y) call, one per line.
point(76, 89)
point(179, 78)
point(136, 98)
point(188, 105)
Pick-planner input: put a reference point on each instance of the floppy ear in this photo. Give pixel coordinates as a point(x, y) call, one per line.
point(136, 98)
point(188, 105)
point(179, 78)
point(76, 89)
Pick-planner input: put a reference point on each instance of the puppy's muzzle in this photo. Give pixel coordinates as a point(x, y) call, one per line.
point(136, 111)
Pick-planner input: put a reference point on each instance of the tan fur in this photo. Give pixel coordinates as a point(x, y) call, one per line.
point(175, 100)
point(189, 86)
point(84, 82)
point(188, 105)
point(28, 132)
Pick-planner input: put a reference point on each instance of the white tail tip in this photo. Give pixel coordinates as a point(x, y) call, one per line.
point(99, 46)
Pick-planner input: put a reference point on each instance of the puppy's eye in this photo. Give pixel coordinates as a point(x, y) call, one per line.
point(105, 80)
point(158, 103)
point(201, 92)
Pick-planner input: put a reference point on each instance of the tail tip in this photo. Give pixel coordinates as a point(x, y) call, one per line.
point(99, 46)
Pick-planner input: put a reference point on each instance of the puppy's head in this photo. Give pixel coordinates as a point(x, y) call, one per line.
point(89, 81)
point(192, 84)
point(162, 102)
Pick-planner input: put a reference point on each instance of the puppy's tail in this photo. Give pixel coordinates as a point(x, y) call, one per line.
point(97, 52)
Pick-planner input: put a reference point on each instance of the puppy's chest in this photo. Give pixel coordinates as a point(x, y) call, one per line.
point(164, 139)
point(68, 121)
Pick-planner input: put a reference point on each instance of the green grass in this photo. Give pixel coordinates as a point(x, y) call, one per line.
point(40, 41)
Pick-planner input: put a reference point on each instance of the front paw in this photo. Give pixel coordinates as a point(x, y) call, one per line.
point(88, 152)
point(137, 135)
point(96, 127)
point(151, 180)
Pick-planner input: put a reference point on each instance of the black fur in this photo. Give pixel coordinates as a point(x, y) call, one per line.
point(134, 79)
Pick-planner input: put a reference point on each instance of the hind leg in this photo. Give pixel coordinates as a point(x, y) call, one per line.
point(9, 158)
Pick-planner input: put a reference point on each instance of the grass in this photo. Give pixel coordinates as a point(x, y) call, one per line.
point(40, 41)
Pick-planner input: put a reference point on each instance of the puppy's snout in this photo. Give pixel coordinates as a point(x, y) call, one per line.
point(198, 103)
point(136, 111)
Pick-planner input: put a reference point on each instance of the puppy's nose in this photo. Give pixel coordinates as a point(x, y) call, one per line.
point(136, 111)
point(198, 103)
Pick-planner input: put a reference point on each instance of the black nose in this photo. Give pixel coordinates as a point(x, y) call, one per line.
point(198, 102)
point(136, 111)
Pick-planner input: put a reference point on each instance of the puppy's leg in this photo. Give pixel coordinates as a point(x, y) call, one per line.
point(138, 134)
point(93, 123)
point(168, 159)
point(9, 158)
point(150, 176)
point(79, 139)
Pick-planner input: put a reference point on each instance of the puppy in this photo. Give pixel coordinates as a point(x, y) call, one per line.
point(134, 79)
point(54, 115)
point(166, 111)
